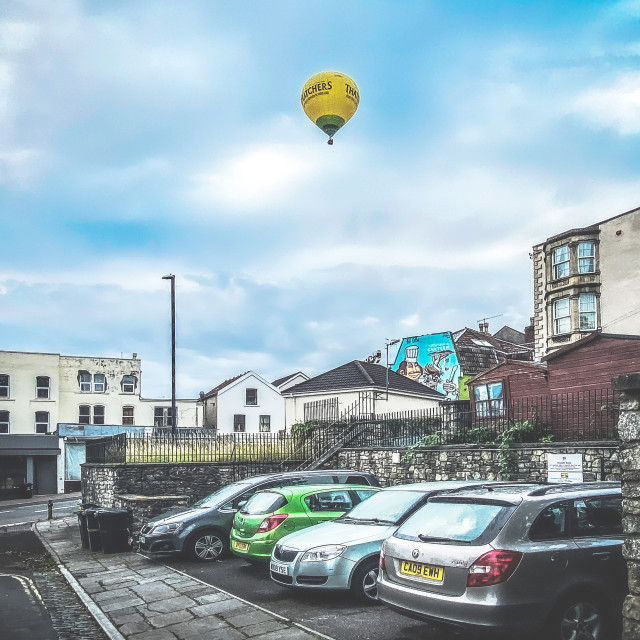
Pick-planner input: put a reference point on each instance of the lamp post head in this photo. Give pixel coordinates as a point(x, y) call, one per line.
point(169, 277)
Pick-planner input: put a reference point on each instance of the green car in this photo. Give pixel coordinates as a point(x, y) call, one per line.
point(272, 514)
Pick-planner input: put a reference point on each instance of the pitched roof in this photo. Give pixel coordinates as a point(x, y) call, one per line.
point(596, 335)
point(222, 385)
point(361, 375)
point(478, 351)
point(279, 381)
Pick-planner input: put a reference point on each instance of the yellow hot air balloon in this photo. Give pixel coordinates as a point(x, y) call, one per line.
point(330, 99)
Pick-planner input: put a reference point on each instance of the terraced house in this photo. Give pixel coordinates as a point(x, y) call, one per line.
point(585, 280)
point(39, 391)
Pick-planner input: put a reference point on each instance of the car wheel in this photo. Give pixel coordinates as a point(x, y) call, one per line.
point(580, 618)
point(364, 584)
point(206, 546)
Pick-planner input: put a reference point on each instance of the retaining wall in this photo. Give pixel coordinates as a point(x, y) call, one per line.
point(462, 462)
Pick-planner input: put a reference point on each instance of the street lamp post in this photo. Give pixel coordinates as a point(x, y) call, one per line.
point(388, 343)
point(174, 413)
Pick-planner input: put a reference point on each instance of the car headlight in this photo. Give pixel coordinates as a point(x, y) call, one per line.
point(167, 528)
point(319, 554)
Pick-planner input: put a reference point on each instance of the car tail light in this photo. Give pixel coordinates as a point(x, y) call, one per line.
point(270, 523)
point(492, 568)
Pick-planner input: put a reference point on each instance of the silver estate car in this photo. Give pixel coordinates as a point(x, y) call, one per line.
point(534, 559)
point(344, 553)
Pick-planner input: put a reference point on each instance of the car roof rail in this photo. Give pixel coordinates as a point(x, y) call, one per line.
point(489, 485)
point(559, 487)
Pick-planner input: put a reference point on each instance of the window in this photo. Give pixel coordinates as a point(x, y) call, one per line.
point(561, 262)
point(42, 386)
point(127, 415)
point(86, 412)
point(265, 424)
point(489, 401)
point(42, 421)
point(251, 397)
point(598, 516)
point(4, 422)
point(4, 385)
point(587, 307)
point(84, 380)
point(239, 420)
point(586, 257)
point(329, 501)
point(99, 382)
point(561, 316)
point(128, 384)
point(98, 414)
point(162, 417)
point(552, 523)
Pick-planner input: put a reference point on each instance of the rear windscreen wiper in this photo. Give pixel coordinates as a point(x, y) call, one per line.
point(436, 539)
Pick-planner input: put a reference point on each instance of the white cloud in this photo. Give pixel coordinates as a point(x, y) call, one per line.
point(261, 177)
point(410, 322)
point(19, 166)
point(17, 35)
point(615, 106)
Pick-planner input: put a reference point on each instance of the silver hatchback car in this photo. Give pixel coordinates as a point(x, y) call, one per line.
point(344, 553)
point(521, 560)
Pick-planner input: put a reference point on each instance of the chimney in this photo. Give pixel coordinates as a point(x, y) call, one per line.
point(483, 326)
point(135, 355)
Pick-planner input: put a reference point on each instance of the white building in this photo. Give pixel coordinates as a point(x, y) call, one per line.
point(356, 389)
point(40, 390)
point(246, 403)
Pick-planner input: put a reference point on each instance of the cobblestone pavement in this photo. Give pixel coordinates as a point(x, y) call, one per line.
point(69, 616)
point(23, 554)
point(136, 598)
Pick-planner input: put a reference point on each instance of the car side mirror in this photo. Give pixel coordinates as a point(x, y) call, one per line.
point(242, 503)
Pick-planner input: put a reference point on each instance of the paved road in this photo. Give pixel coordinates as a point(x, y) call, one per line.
point(36, 509)
point(334, 614)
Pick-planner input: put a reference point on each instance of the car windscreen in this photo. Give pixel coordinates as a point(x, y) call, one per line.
point(222, 494)
point(384, 507)
point(264, 502)
point(469, 521)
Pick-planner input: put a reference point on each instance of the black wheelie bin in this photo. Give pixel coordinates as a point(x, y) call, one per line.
point(114, 530)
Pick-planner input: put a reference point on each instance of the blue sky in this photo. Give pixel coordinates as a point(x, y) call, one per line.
point(144, 138)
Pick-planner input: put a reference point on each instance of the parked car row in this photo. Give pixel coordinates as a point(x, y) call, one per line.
point(488, 557)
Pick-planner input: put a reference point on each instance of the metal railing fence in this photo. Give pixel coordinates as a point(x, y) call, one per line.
point(584, 416)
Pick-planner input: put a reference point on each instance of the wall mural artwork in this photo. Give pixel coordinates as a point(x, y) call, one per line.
point(430, 360)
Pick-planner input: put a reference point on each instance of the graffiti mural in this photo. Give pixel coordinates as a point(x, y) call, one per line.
point(430, 360)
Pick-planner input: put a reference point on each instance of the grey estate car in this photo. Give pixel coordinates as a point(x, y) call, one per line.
point(344, 553)
point(201, 530)
point(544, 560)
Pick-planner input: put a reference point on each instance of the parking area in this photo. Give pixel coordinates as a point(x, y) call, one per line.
point(334, 614)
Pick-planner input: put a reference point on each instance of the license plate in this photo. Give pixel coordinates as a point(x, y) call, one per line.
point(240, 546)
point(143, 539)
point(425, 571)
point(279, 568)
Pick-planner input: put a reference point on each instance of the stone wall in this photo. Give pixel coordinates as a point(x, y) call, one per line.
point(629, 430)
point(101, 483)
point(461, 462)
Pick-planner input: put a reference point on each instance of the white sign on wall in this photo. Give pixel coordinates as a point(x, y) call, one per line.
point(564, 467)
